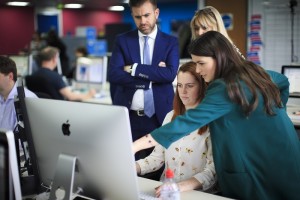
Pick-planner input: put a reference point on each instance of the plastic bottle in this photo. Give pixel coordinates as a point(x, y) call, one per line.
point(169, 189)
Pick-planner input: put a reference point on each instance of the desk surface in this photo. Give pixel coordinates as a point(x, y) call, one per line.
point(102, 97)
point(106, 99)
point(295, 118)
point(147, 186)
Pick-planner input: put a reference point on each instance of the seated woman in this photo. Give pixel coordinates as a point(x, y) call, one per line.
point(190, 157)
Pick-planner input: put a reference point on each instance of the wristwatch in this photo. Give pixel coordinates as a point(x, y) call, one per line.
point(128, 69)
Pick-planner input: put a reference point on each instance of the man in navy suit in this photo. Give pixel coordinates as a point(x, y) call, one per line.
point(132, 77)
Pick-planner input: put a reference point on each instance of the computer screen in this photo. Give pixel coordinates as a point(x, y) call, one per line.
point(292, 72)
point(91, 69)
point(98, 136)
point(4, 171)
point(9, 173)
point(22, 63)
point(30, 183)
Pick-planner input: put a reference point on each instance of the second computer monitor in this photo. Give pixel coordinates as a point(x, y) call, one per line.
point(91, 69)
point(292, 72)
point(22, 64)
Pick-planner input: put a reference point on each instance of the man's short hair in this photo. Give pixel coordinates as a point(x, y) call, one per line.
point(138, 3)
point(7, 66)
point(48, 53)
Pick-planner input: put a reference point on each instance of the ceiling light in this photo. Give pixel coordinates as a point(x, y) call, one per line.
point(116, 8)
point(73, 5)
point(17, 3)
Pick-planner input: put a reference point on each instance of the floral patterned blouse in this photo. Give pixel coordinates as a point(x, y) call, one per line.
point(190, 156)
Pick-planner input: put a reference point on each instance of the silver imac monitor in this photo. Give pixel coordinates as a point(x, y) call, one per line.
point(292, 72)
point(22, 63)
point(83, 146)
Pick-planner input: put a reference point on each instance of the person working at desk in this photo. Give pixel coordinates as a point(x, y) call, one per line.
point(190, 157)
point(80, 51)
point(143, 66)
point(54, 40)
point(8, 90)
point(255, 147)
point(48, 59)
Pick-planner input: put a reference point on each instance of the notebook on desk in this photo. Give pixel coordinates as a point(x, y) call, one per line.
point(97, 138)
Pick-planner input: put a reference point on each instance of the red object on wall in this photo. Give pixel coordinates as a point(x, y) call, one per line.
point(16, 29)
point(17, 25)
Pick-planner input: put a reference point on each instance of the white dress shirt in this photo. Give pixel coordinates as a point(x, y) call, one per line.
point(138, 97)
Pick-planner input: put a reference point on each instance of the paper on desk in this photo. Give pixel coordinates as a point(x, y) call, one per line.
point(294, 117)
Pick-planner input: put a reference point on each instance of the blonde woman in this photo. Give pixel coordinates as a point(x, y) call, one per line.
point(209, 19)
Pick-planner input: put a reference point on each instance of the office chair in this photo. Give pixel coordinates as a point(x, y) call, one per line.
point(41, 87)
point(43, 95)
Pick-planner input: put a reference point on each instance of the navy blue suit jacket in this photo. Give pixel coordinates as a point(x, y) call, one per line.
point(127, 52)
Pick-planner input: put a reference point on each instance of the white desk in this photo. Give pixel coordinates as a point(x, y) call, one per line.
point(147, 185)
point(291, 108)
point(106, 99)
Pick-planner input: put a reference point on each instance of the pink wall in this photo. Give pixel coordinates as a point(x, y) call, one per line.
point(17, 25)
point(74, 18)
point(16, 29)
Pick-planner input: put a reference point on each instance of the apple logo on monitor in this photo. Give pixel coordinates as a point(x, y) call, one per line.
point(66, 128)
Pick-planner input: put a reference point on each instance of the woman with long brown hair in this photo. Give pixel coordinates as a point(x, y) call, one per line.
point(255, 147)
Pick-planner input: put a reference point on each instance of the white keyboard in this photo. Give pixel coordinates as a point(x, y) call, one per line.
point(99, 95)
point(147, 196)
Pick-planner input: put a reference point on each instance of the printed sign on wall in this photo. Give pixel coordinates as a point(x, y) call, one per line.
point(228, 20)
point(255, 39)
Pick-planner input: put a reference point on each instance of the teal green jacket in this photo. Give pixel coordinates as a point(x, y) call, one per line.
point(256, 157)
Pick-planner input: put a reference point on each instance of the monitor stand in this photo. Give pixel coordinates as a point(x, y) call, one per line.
point(62, 187)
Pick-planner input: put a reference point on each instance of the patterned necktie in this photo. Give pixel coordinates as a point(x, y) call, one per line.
point(148, 94)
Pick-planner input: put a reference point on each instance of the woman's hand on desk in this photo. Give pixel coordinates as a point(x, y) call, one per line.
point(92, 93)
point(75, 96)
point(187, 185)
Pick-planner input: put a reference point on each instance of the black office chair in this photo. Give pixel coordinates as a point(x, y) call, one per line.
point(43, 95)
point(41, 87)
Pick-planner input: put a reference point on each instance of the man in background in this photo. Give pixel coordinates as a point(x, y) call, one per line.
point(48, 58)
point(141, 65)
point(8, 90)
point(54, 40)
